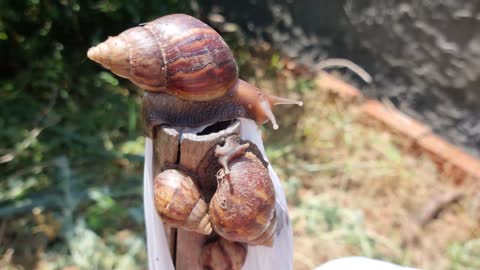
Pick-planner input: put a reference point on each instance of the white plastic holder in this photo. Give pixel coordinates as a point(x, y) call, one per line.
point(277, 257)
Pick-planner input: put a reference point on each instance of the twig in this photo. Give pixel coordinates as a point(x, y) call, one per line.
point(437, 204)
point(337, 62)
point(33, 134)
point(7, 256)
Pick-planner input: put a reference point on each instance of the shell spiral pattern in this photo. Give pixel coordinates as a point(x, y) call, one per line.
point(179, 203)
point(177, 54)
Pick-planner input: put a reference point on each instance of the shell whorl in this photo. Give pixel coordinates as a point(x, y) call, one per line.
point(266, 238)
point(178, 202)
point(247, 180)
point(177, 54)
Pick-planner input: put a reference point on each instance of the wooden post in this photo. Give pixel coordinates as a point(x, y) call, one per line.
point(170, 146)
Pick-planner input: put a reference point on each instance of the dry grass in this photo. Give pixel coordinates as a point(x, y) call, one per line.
point(355, 188)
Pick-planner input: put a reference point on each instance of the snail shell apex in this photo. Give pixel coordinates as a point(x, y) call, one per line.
point(176, 54)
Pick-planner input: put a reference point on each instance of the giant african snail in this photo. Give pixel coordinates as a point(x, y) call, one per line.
point(242, 208)
point(189, 72)
point(179, 202)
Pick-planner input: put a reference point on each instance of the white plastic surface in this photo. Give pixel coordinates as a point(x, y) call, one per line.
point(278, 257)
point(157, 245)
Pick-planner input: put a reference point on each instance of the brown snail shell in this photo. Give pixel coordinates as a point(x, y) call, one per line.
point(178, 202)
point(177, 54)
point(222, 254)
point(243, 207)
point(209, 166)
point(182, 61)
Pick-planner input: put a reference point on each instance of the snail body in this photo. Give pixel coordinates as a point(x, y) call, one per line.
point(242, 101)
point(243, 207)
point(191, 68)
point(179, 203)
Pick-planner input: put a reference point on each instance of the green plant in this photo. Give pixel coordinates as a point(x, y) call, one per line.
point(465, 256)
point(70, 131)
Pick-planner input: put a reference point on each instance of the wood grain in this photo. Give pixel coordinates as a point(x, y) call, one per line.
point(194, 147)
point(165, 150)
point(186, 150)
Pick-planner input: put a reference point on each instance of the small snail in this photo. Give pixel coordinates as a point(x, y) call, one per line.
point(189, 70)
point(222, 254)
point(179, 202)
point(207, 169)
point(243, 207)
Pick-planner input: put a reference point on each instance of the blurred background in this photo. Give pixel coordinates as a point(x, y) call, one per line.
point(71, 151)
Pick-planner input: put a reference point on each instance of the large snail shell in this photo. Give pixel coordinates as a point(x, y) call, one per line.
point(243, 207)
point(177, 54)
point(179, 203)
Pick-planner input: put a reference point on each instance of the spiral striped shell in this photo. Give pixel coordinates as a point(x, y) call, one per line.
point(179, 203)
point(176, 54)
point(243, 207)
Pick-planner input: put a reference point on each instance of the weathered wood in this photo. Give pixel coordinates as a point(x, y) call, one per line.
point(186, 150)
point(189, 248)
point(193, 147)
point(165, 150)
